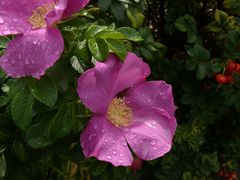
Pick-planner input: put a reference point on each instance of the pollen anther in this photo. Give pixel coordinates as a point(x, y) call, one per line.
point(37, 18)
point(119, 113)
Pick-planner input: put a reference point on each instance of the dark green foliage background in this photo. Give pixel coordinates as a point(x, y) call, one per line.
point(184, 41)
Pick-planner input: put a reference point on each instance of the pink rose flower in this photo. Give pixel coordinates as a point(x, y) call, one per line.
point(127, 111)
point(38, 43)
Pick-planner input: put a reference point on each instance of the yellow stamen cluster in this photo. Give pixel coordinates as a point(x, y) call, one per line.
point(119, 113)
point(37, 18)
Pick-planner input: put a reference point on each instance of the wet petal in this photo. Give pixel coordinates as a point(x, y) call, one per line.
point(31, 54)
point(105, 142)
point(56, 14)
point(151, 133)
point(74, 6)
point(95, 85)
point(133, 71)
point(151, 94)
point(14, 15)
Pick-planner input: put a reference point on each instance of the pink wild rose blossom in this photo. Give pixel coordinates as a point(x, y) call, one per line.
point(38, 43)
point(127, 111)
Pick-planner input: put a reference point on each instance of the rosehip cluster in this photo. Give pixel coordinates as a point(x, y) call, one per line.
point(227, 78)
point(227, 175)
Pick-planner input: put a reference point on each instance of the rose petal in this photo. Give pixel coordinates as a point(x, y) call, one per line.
point(14, 15)
point(95, 85)
point(55, 15)
point(31, 54)
point(150, 135)
point(105, 142)
point(74, 6)
point(151, 94)
point(133, 71)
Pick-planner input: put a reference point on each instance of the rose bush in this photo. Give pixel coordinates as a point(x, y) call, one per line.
point(61, 57)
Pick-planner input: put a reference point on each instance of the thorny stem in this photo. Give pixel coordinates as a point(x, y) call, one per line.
point(80, 14)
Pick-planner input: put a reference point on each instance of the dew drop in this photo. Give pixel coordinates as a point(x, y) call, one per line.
point(19, 56)
point(57, 53)
point(124, 144)
point(95, 126)
point(4, 60)
point(26, 61)
point(6, 32)
point(153, 142)
point(109, 157)
point(1, 20)
point(131, 137)
point(91, 136)
point(165, 148)
point(120, 155)
point(120, 161)
point(103, 131)
point(15, 20)
point(114, 152)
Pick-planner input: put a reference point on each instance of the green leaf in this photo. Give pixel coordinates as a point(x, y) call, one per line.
point(185, 23)
point(118, 10)
point(76, 64)
point(104, 4)
point(136, 17)
point(198, 52)
point(97, 168)
point(62, 122)
point(110, 35)
point(38, 135)
point(117, 47)
point(203, 71)
point(3, 42)
point(220, 16)
point(82, 51)
point(98, 48)
point(94, 29)
point(21, 109)
point(19, 149)
point(44, 90)
point(3, 165)
point(3, 101)
point(130, 34)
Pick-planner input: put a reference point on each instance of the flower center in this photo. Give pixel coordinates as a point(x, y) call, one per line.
point(119, 113)
point(37, 18)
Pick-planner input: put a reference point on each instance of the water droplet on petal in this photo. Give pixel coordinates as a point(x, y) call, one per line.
point(131, 137)
point(114, 152)
point(109, 157)
point(103, 131)
point(4, 60)
point(95, 126)
point(120, 161)
point(120, 155)
point(15, 20)
point(91, 136)
point(6, 32)
point(124, 144)
point(1, 20)
point(19, 56)
point(26, 61)
point(153, 142)
point(57, 53)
